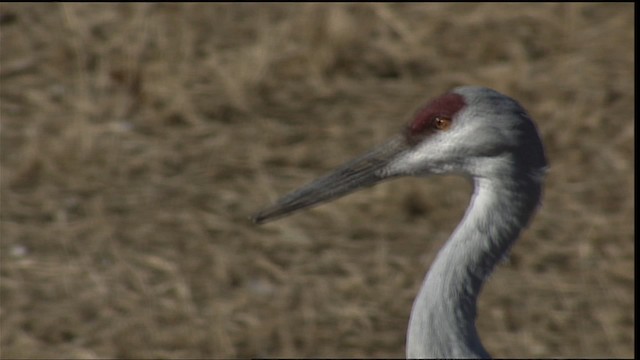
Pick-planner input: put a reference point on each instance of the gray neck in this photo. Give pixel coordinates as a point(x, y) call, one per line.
point(443, 317)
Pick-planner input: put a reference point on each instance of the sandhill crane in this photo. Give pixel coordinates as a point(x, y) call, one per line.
point(471, 131)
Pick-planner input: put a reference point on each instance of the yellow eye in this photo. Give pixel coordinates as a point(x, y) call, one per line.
point(441, 123)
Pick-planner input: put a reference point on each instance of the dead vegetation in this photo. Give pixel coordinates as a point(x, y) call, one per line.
point(137, 138)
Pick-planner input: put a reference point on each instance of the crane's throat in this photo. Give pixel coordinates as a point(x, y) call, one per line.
point(443, 318)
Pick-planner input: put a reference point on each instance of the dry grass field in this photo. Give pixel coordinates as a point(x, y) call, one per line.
point(136, 139)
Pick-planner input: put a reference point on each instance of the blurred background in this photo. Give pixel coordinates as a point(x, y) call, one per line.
point(136, 139)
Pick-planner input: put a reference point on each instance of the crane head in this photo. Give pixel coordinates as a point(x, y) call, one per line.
point(471, 131)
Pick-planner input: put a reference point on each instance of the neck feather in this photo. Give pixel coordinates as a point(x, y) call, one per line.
point(443, 317)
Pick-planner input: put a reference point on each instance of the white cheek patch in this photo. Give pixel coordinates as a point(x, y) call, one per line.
point(442, 152)
point(421, 159)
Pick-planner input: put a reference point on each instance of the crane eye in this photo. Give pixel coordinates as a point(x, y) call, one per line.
point(441, 123)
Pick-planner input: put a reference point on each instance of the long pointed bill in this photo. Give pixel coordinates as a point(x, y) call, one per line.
point(356, 174)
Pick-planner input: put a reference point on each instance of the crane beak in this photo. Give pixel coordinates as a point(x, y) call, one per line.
point(364, 171)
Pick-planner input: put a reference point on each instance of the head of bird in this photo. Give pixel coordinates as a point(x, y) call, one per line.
point(472, 131)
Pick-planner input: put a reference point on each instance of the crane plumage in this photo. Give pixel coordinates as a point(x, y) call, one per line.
point(471, 131)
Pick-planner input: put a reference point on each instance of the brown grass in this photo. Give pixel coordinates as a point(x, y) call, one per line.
point(137, 138)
